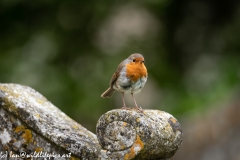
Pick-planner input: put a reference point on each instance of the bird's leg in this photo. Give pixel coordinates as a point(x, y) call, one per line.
point(124, 105)
point(136, 106)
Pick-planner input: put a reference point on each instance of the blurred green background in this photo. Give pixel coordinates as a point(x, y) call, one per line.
point(68, 51)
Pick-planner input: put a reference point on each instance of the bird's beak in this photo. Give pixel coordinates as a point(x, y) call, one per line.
point(142, 61)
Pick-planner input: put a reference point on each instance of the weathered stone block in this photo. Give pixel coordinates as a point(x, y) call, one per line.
point(32, 127)
point(128, 134)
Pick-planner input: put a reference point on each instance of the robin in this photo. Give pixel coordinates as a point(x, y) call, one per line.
point(130, 77)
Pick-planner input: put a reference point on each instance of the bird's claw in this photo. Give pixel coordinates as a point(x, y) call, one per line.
point(139, 108)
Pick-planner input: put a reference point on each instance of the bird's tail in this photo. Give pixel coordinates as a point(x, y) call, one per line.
point(108, 93)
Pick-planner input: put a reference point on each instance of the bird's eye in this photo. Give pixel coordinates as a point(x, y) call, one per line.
point(134, 60)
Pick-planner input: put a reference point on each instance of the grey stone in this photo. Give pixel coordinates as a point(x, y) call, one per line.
point(32, 127)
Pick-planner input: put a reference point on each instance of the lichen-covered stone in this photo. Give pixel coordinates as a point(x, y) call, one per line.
point(18, 141)
point(131, 134)
point(31, 127)
point(28, 122)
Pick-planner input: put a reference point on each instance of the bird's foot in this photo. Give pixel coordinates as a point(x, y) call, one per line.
point(138, 108)
point(124, 107)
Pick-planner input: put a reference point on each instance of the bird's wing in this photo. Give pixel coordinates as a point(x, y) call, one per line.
point(116, 74)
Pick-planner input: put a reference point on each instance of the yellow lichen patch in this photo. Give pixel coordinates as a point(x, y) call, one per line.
point(138, 119)
point(74, 158)
point(27, 136)
point(124, 124)
point(41, 101)
point(19, 128)
point(37, 115)
point(38, 149)
point(135, 149)
point(75, 126)
point(9, 91)
point(9, 106)
point(12, 119)
point(139, 142)
point(173, 120)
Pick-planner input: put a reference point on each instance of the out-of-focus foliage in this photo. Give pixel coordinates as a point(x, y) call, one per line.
point(68, 51)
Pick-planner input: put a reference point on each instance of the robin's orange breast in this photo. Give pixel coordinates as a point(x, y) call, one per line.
point(136, 70)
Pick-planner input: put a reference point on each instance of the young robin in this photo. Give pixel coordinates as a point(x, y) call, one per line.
point(130, 77)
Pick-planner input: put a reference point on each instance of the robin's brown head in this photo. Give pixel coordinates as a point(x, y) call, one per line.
point(136, 57)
